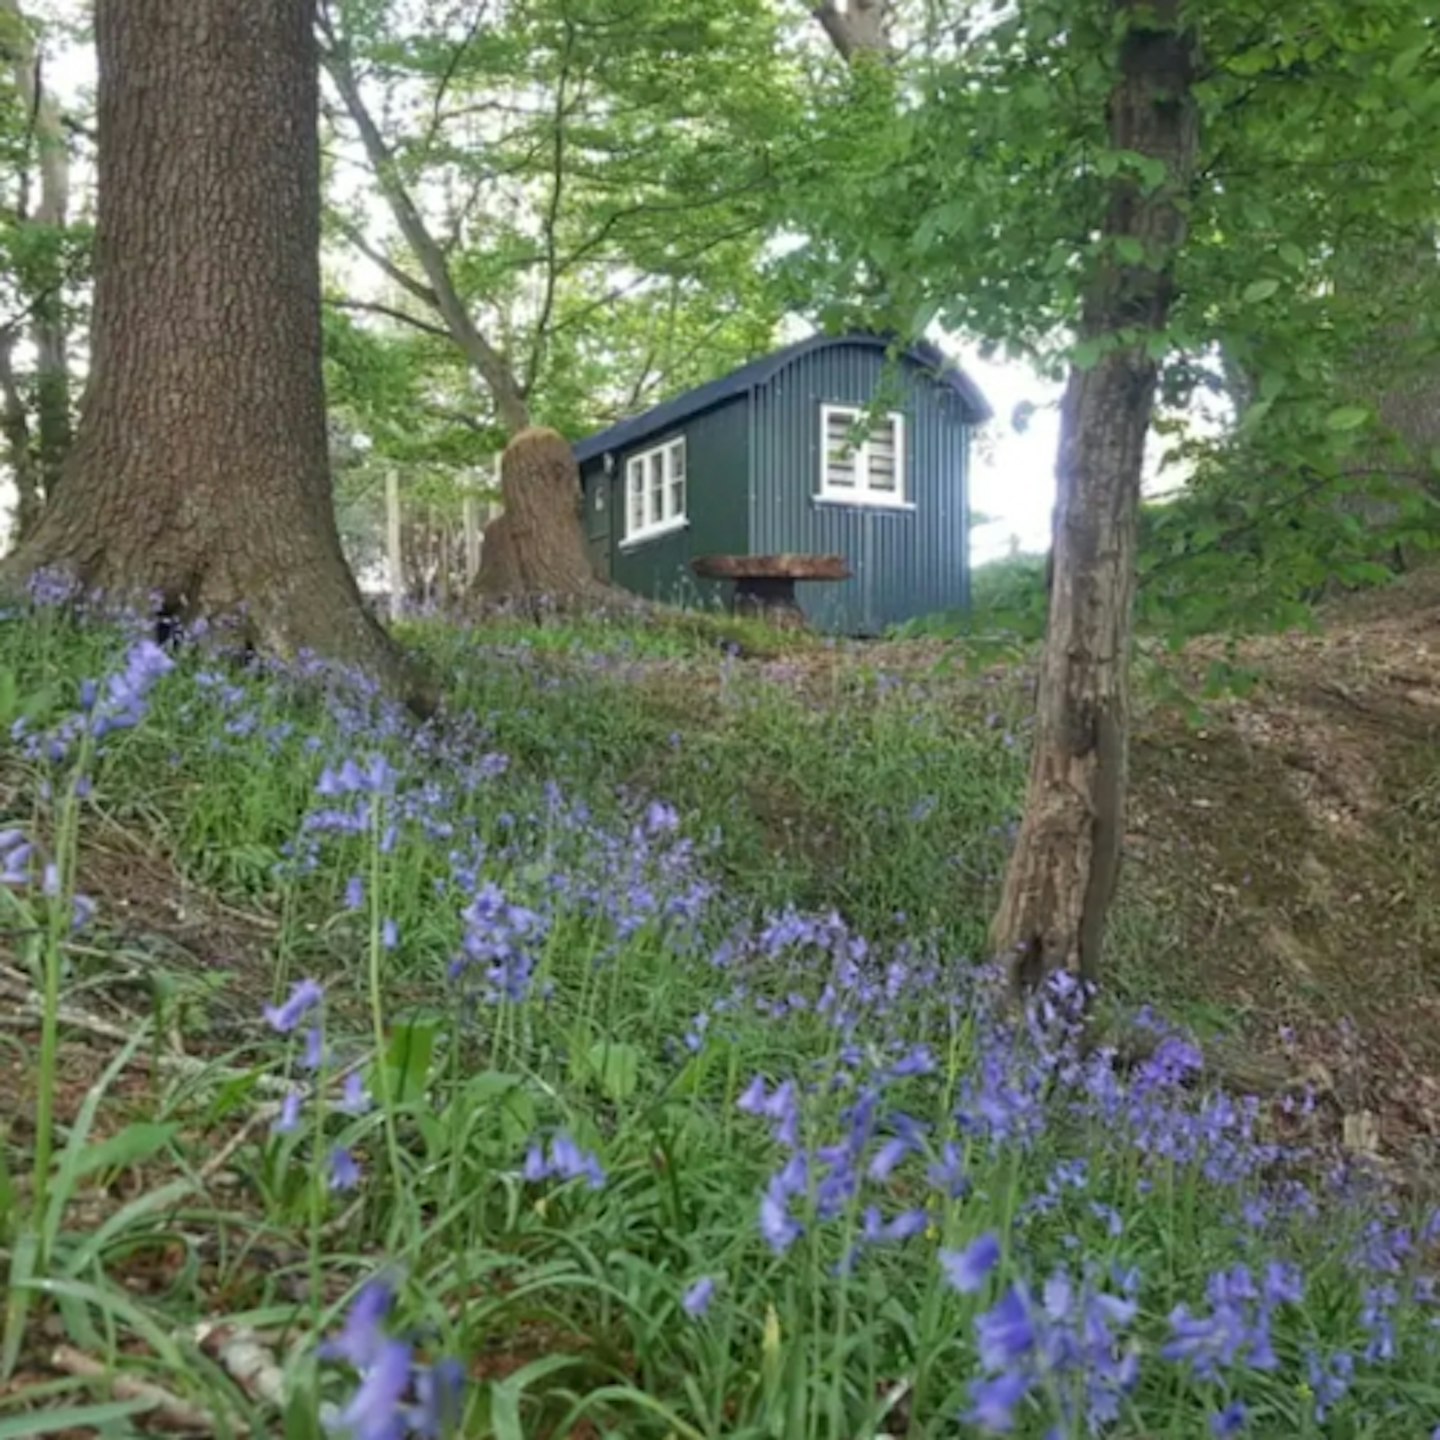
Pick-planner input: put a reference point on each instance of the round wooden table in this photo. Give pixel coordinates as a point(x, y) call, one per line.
point(765, 584)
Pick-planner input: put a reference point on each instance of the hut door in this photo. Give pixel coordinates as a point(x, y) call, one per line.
point(597, 523)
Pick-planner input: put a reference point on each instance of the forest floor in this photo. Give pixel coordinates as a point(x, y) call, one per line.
point(1281, 899)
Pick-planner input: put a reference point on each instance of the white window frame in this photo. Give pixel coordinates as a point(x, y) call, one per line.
point(861, 492)
point(640, 471)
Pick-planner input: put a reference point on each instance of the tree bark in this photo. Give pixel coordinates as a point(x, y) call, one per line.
point(1062, 874)
point(200, 475)
point(861, 28)
point(540, 551)
point(15, 422)
point(49, 329)
point(45, 275)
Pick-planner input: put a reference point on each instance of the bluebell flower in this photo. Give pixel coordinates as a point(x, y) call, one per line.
point(948, 1173)
point(362, 1335)
point(570, 1162)
point(354, 893)
point(697, 1298)
point(288, 1120)
point(15, 859)
point(566, 1161)
point(1005, 1334)
point(354, 1098)
point(303, 998)
point(780, 1230)
point(1229, 1421)
point(967, 1270)
point(375, 1411)
point(993, 1401)
point(344, 1172)
point(439, 1390)
point(314, 1054)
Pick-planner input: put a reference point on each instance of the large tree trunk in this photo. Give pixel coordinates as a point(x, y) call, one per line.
point(536, 550)
point(201, 471)
point(1062, 875)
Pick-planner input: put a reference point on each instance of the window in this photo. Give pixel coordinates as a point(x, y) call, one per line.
point(655, 491)
point(864, 460)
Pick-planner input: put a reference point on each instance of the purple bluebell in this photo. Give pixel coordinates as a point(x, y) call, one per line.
point(288, 1120)
point(362, 1334)
point(967, 1270)
point(375, 1411)
point(778, 1227)
point(440, 1391)
point(314, 1054)
point(303, 998)
point(354, 1098)
point(993, 1401)
point(344, 1172)
point(1230, 1421)
point(696, 1300)
point(1005, 1334)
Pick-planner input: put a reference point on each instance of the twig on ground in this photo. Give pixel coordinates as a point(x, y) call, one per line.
point(169, 1409)
point(245, 1357)
point(261, 1115)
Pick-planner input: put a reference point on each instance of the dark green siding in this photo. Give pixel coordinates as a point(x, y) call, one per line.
point(717, 484)
point(906, 562)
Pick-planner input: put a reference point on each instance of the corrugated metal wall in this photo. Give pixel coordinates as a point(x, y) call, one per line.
point(905, 562)
point(717, 465)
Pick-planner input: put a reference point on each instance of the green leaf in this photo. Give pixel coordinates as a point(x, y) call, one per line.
point(1255, 414)
point(1406, 62)
point(1259, 290)
point(72, 1158)
point(144, 1205)
point(616, 1068)
point(1152, 171)
point(132, 1145)
point(1130, 250)
point(24, 1252)
point(505, 1394)
point(412, 1049)
point(82, 1418)
point(1347, 417)
point(1087, 354)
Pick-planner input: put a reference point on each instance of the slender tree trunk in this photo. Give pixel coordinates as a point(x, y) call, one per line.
point(50, 331)
point(15, 422)
point(1062, 875)
point(45, 275)
point(201, 473)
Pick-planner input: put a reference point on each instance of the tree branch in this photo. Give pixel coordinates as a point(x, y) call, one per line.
point(442, 89)
point(552, 212)
point(406, 282)
point(489, 363)
point(371, 307)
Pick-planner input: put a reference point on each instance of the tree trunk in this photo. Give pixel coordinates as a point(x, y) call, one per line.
point(541, 551)
point(15, 422)
point(499, 570)
point(49, 329)
point(200, 473)
point(1062, 875)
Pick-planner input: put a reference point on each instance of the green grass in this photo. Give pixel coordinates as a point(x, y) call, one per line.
point(805, 905)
